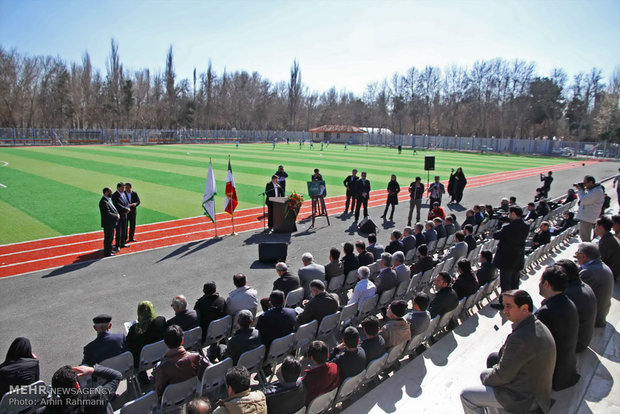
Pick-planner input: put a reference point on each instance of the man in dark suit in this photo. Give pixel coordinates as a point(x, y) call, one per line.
point(584, 299)
point(509, 258)
point(559, 314)
point(107, 345)
point(349, 355)
point(374, 344)
point(364, 257)
point(134, 201)
point(122, 206)
point(446, 298)
point(349, 183)
point(521, 374)
point(185, 318)
point(600, 278)
point(608, 245)
point(409, 241)
point(286, 281)
point(287, 395)
point(321, 304)
point(362, 192)
point(468, 229)
point(109, 218)
point(272, 189)
point(395, 243)
point(419, 235)
point(423, 263)
point(278, 321)
point(245, 339)
point(386, 279)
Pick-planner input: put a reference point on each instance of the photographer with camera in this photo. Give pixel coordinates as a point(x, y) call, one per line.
point(591, 199)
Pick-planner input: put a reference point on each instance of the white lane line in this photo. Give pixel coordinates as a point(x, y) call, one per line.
point(3, 164)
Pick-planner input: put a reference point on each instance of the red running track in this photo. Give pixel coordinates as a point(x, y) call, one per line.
point(25, 257)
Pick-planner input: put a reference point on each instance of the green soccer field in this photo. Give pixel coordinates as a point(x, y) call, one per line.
point(51, 191)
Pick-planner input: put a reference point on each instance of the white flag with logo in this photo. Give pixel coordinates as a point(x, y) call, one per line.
point(208, 200)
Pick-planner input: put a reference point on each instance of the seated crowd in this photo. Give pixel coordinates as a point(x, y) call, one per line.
point(378, 269)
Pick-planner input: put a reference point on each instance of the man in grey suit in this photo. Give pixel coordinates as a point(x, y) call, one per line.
point(599, 276)
point(419, 318)
point(459, 249)
point(403, 273)
point(309, 272)
point(409, 240)
point(387, 276)
point(373, 247)
point(521, 373)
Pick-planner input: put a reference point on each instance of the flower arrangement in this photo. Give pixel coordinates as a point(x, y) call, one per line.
point(294, 203)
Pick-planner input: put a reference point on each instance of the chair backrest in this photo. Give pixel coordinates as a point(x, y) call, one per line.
point(472, 299)
point(441, 243)
point(415, 342)
point(252, 359)
point(177, 395)
point(450, 240)
point(322, 402)
point(349, 386)
point(328, 325)
point(375, 367)
point(151, 354)
point(410, 256)
point(385, 298)
point(432, 327)
point(447, 267)
point(218, 330)
point(335, 283)
point(445, 319)
point(368, 307)
point(350, 281)
point(432, 245)
point(192, 339)
point(27, 399)
point(394, 353)
point(147, 404)
point(459, 308)
point(122, 363)
point(305, 335)
point(214, 377)
point(375, 268)
point(280, 348)
point(294, 298)
point(413, 283)
point(401, 290)
point(347, 314)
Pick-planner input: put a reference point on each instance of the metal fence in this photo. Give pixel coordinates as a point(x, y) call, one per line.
point(60, 136)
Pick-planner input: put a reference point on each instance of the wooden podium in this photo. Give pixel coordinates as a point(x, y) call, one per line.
point(283, 221)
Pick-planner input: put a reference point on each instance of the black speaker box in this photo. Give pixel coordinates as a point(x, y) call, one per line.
point(429, 163)
point(271, 252)
point(367, 226)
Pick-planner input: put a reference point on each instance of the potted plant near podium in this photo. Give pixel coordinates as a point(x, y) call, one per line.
point(291, 210)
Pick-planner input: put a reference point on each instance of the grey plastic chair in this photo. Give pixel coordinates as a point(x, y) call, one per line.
point(218, 330)
point(175, 396)
point(123, 363)
point(192, 339)
point(335, 284)
point(214, 378)
point(328, 327)
point(252, 359)
point(322, 402)
point(12, 402)
point(147, 404)
point(294, 298)
point(348, 387)
point(374, 368)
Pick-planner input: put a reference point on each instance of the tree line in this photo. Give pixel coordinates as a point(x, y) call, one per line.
point(500, 98)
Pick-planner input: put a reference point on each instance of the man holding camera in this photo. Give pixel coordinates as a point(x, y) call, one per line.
point(591, 199)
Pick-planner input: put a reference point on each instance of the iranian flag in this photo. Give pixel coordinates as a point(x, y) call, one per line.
point(231, 192)
point(208, 200)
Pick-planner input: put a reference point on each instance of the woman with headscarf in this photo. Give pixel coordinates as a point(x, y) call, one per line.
point(459, 185)
point(150, 328)
point(21, 366)
point(393, 189)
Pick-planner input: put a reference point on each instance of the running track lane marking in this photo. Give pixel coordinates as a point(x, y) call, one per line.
point(4, 164)
point(25, 257)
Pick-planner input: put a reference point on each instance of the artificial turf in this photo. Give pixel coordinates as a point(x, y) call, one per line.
point(51, 191)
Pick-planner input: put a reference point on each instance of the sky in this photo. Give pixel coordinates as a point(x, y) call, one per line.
point(344, 44)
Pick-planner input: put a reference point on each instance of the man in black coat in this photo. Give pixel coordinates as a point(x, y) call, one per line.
point(109, 218)
point(395, 244)
point(286, 281)
point(210, 307)
point(107, 345)
point(446, 299)
point(364, 257)
point(245, 338)
point(185, 318)
point(608, 245)
point(272, 189)
point(424, 262)
point(321, 304)
point(584, 299)
point(468, 229)
point(349, 184)
point(122, 206)
point(134, 201)
point(487, 270)
point(559, 314)
point(509, 258)
point(374, 344)
point(289, 395)
point(362, 192)
point(278, 321)
point(419, 318)
point(349, 355)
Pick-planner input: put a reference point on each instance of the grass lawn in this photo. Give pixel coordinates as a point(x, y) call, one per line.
point(51, 191)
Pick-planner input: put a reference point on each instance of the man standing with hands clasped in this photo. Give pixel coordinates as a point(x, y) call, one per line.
point(272, 189)
point(109, 218)
point(362, 191)
point(134, 201)
point(349, 183)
